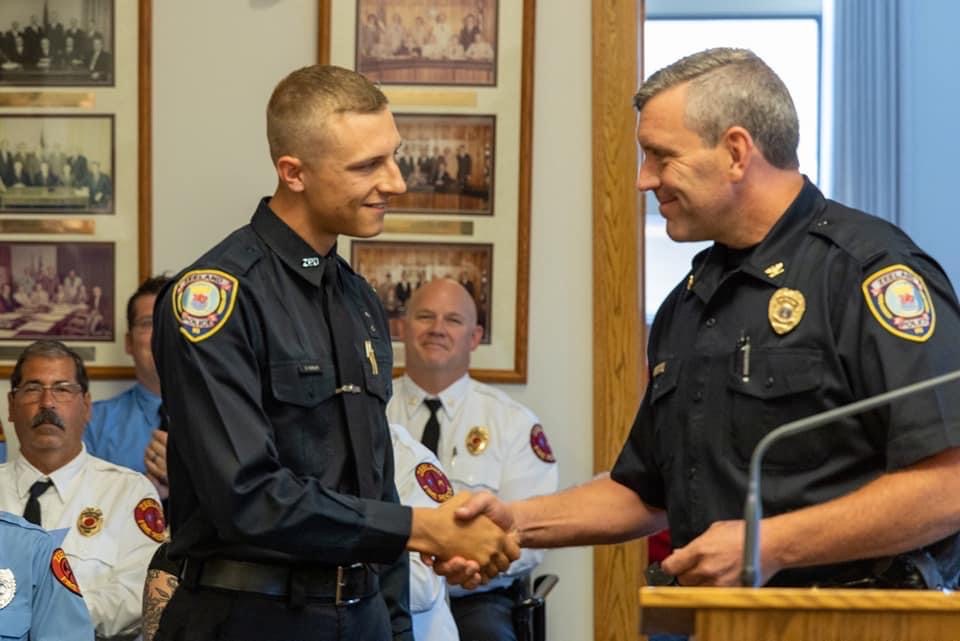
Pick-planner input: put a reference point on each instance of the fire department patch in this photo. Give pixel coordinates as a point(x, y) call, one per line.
point(62, 571)
point(149, 517)
point(540, 445)
point(203, 300)
point(899, 300)
point(434, 482)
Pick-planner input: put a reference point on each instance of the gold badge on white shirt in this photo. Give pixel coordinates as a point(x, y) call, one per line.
point(90, 521)
point(477, 440)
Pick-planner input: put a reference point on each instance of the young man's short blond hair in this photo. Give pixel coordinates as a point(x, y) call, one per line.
point(301, 103)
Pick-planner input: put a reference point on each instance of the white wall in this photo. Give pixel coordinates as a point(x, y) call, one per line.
point(215, 63)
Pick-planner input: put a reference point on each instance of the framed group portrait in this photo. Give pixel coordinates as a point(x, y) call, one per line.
point(458, 75)
point(75, 177)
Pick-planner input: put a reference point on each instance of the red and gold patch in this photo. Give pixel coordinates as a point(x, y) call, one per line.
point(149, 517)
point(62, 571)
point(90, 521)
point(900, 301)
point(434, 482)
point(540, 444)
point(477, 439)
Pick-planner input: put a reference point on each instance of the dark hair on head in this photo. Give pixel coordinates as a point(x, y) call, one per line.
point(151, 286)
point(49, 349)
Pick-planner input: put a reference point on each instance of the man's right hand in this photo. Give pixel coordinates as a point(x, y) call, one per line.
point(459, 570)
point(439, 534)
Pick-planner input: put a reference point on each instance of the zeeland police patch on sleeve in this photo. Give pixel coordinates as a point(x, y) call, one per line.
point(203, 300)
point(899, 300)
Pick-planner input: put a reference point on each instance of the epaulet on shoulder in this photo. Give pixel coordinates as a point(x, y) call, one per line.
point(240, 258)
point(862, 236)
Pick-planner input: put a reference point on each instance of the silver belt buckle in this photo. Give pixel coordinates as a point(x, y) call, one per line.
point(341, 583)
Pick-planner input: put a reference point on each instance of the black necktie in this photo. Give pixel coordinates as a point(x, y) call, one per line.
point(431, 430)
point(350, 379)
point(32, 511)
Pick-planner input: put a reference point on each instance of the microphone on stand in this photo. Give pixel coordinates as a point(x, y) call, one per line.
point(753, 507)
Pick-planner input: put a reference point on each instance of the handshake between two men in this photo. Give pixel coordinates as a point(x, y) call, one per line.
point(463, 544)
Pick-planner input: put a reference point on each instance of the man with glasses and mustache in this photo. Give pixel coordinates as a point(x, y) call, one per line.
point(111, 514)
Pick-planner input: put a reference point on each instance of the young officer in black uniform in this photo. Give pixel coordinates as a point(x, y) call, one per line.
point(801, 305)
point(275, 364)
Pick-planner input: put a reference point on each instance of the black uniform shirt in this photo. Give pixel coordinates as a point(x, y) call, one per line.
point(702, 415)
point(259, 458)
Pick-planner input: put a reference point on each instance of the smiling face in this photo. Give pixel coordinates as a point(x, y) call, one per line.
point(349, 179)
point(689, 179)
point(439, 332)
point(43, 442)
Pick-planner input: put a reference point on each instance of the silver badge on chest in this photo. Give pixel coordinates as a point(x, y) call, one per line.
point(8, 587)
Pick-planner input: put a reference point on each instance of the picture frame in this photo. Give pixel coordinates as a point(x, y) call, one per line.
point(56, 238)
point(447, 162)
point(445, 42)
point(507, 99)
point(396, 270)
point(57, 163)
point(57, 43)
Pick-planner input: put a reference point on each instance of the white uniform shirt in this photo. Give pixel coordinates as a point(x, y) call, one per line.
point(432, 619)
point(488, 441)
point(110, 563)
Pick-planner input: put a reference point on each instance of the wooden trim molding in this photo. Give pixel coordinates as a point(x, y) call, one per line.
point(618, 330)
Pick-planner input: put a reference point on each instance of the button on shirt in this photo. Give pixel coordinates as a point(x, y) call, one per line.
point(432, 619)
point(42, 608)
point(121, 427)
point(507, 466)
point(110, 564)
point(702, 415)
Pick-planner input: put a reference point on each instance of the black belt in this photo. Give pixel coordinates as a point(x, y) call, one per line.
point(340, 585)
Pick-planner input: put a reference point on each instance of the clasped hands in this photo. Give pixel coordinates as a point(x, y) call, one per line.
point(472, 539)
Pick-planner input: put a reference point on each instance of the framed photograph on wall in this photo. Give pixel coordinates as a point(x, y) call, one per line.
point(447, 163)
point(397, 269)
point(57, 164)
point(76, 178)
point(432, 42)
point(57, 43)
point(53, 290)
point(466, 156)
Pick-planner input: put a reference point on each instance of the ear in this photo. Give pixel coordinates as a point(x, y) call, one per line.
point(87, 406)
point(290, 171)
point(739, 145)
point(475, 337)
point(128, 343)
point(10, 406)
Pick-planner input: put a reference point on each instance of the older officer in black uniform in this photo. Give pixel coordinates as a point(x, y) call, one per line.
point(801, 305)
point(275, 365)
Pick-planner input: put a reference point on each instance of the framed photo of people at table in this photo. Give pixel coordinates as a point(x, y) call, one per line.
point(465, 156)
point(431, 42)
point(396, 270)
point(75, 180)
point(57, 43)
point(57, 164)
point(447, 163)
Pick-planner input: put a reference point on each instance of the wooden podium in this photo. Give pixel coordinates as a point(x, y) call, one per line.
point(800, 614)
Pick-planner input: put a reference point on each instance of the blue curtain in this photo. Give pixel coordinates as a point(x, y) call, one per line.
point(867, 111)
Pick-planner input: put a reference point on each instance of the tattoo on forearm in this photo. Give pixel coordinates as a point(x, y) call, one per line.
point(158, 590)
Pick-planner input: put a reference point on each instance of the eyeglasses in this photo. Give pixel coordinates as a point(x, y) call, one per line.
point(33, 392)
point(143, 324)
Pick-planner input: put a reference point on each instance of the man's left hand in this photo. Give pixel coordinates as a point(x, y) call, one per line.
point(713, 558)
point(155, 460)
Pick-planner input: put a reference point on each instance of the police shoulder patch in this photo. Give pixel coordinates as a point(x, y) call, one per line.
point(434, 482)
point(540, 444)
point(900, 301)
point(203, 300)
point(62, 571)
point(149, 517)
